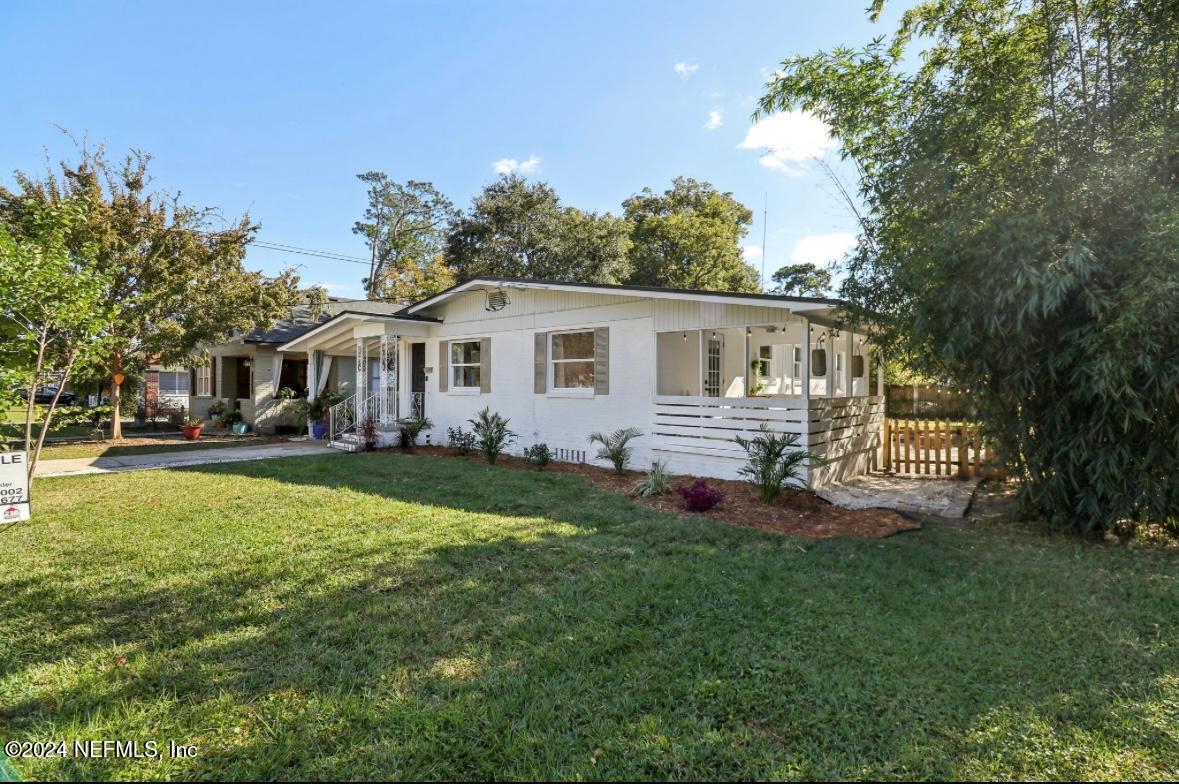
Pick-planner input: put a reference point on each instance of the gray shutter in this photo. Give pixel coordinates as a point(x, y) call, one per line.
point(214, 390)
point(484, 364)
point(540, 370)
point(602, 361)
point(443, 364)
point(192, 390)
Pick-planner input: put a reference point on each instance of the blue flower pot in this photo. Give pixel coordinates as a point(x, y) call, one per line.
point(319, 430)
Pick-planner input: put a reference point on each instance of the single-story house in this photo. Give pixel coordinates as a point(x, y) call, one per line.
point(690, 369)
point(247, 372)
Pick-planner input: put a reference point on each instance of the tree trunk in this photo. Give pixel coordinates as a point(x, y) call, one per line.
point(36, 452)
point(116, 395)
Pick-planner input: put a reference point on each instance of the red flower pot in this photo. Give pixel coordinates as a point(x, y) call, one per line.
point(191, 432)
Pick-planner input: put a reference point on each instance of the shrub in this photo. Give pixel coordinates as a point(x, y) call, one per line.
point(699, 496)
point(368, 432)
point(615, 447)
point(491, 433)
point(538, 455)
point(656, 482)
point(411, 429)
point(774, 459)
point(461, 440)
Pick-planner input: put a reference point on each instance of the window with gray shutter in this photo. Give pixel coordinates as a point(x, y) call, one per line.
point(602, 361)
point(443, 364)
point(485, 365)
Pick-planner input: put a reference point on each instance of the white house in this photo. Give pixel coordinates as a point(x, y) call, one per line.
point(690, 369)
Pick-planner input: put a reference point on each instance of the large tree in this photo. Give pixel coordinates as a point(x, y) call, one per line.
point(175, 278)
point(519, 229)
point(405, 227)
point(805, 280)
point(1021, 229)
point(689, 237)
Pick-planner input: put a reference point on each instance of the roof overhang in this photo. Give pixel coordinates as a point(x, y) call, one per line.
point(341, 331)
point(794, 304)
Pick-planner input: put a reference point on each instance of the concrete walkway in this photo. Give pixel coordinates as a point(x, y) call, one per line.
point(113, 465)
point(941, 497)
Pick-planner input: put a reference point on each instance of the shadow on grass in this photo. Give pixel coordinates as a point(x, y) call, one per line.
point(431, 618)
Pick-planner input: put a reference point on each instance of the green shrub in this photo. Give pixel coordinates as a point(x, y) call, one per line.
point(411, 429)
point(538, 455)
point(774, 459)
point(615, 447)
point(656, 481)
point(491, 433)
point(461, 440)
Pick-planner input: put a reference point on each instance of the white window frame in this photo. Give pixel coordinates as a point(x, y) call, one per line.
point(556, 391)
point(204, 380)
point(452, 365)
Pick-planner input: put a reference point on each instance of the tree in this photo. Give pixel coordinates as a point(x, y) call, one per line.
point(801, 280)
point(517, 229)
point(405, 228)
point(1020, 232)
point(53, 307)
point(177, 284)
point(689, 237)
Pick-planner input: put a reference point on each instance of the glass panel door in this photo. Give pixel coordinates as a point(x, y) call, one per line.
point(712, 375)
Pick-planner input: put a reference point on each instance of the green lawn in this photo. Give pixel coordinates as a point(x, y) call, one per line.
point(374, 616)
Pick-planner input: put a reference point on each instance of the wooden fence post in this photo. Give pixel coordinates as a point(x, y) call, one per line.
point(963, 460)
point(887, 444)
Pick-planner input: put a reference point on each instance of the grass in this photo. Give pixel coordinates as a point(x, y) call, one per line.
point(380, 615)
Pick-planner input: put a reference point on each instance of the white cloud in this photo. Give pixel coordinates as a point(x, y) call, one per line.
point(716, 118)
point(789, 138)
point(821, 249)
point(751, 252)
point(513, 166)
point(685, 69)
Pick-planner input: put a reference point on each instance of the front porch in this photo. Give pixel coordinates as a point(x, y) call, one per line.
point(797, 375)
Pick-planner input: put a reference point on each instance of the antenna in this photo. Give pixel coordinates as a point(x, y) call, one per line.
point(765, 219)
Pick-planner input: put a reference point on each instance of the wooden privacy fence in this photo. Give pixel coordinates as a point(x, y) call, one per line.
point(936, 447)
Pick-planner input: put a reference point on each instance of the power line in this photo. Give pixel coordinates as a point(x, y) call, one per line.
point(322, 254)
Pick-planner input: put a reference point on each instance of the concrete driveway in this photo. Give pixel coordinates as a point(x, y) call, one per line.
point(113, 465)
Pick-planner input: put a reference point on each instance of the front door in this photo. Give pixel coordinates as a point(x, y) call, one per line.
point(417, 378)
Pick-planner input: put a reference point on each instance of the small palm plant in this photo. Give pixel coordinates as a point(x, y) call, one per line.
point(656, 482)
point(774, 460)
point(615, 447)
point(491, 433)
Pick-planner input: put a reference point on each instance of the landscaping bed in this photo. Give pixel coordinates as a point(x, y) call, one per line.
point(802, 514)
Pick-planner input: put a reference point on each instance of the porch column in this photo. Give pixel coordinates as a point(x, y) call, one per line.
point(829, 347)
point(806, 358)
point(312, 375)
point(390, 349)
point(361, 380)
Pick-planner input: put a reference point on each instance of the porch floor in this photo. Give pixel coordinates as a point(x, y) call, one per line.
point(941, 497)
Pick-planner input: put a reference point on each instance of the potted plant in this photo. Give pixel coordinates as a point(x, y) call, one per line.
point(317, 413)
point(232, 420)
point(192, 428)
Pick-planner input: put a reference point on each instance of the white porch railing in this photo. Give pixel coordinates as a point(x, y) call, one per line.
point(832, 427)
point(346, 417)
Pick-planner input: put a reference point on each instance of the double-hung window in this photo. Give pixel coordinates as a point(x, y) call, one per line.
point(464, 364)
point(204, 380)
point(572, 360)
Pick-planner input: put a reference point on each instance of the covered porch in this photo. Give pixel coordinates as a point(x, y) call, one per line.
point(802, 374)
point(377, 362)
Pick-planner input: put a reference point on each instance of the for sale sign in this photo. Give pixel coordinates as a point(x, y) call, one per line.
point(14, 487)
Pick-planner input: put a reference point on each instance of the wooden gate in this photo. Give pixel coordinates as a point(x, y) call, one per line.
point(935, 447)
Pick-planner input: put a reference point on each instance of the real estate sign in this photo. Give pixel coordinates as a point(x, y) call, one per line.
point(14, 487)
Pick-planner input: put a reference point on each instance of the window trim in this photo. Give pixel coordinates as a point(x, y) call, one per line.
point(454, 388)
point(207, 380)
point(551, 370)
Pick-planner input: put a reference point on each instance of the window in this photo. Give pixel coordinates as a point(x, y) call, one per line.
point(204, 380)
point(173, 383)
point(464, 364)
point(796, 363)
point(840, 384)
point(573, 360)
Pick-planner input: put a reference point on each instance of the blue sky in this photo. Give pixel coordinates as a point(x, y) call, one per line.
point(273, 108)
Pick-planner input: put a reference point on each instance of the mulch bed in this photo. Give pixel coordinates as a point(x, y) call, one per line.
point(802, 514)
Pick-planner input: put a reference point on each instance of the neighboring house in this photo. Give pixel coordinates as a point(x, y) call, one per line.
point(247, 372)
point(563, 360)
point(164, 391)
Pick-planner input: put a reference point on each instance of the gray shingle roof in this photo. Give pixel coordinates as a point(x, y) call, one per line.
point(300, 319)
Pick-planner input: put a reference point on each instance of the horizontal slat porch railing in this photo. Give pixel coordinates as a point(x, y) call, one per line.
point(832, 427)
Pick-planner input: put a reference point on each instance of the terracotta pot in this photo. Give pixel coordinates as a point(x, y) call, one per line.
point(191, 432)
